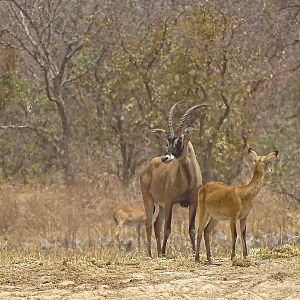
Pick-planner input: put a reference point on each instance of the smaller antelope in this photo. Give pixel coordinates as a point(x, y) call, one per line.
point(129, 215)
point(218, 201)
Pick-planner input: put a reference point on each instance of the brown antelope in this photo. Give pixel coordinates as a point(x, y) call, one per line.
point(218, 201)
point(129, 215)
point(173, 178)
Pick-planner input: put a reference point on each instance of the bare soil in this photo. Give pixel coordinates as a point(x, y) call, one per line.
point(81, 277)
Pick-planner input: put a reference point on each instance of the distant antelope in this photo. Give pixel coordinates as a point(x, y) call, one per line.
point(219, 201)
point(172, 178)
point(129, 215)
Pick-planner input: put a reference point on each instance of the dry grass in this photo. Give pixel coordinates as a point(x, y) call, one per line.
point(37, 217)
point(283, 251)
point(60, 239)
point(117, 270)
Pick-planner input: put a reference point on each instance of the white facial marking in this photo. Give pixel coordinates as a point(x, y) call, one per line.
point(270, 169)
point(169, 157)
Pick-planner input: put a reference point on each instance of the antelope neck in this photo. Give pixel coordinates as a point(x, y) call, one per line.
point(186, 163)
point(186, 151)
point(254, 186)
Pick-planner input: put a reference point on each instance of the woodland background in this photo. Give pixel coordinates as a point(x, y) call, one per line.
point(84, 82)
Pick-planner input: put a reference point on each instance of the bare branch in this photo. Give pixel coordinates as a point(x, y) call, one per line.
point(290, 6)
point(39, 130)
point(51, 19)
point(225, 115)
point(295, 68)
point(28, 17)
point(160, 46)
point(70, 51)
point(131, 59)
point(145, 36)
point(223, 66)
point(23, 46)
point(144, 77)
point(6, 75)
point(6, 45)
point(86, 69)
point(41, 51)
point(48, 87)
point(293, 116)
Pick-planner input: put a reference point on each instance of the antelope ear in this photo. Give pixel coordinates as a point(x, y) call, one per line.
point(161, 133)
point(253, 153)
point(188, 130)
point(272, 155)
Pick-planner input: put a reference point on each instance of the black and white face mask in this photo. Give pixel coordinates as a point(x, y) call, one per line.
point(174, 149)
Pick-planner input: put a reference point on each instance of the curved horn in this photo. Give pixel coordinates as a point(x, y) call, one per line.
point(161, 133)
point(170, 119)
point(186, 115)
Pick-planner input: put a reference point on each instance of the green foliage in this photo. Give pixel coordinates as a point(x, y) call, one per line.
point(282, 135)
point(7, 148)
point(7, 68)
point(150, 60)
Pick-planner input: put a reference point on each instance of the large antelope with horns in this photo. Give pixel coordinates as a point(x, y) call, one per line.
point(218, 201)
point(172, 178)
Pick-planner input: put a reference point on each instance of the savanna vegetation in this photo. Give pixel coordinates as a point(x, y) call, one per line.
point(84, 82)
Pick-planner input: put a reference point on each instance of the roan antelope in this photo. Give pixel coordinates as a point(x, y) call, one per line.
point(129, 215)
point(218, 201)
point(172, 178)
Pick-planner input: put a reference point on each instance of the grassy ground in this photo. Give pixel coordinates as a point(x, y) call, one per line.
point(58, 242)
point(98, 274)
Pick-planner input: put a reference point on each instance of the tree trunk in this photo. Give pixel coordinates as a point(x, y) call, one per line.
point(65, 139)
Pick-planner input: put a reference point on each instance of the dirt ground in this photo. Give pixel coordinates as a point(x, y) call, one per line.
point(80, 277)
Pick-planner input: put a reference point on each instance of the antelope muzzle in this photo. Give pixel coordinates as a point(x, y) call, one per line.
point(167, 158)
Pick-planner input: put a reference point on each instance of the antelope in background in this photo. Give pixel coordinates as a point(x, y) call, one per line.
point(172, 178)
point(129, 215)
point(218, 201)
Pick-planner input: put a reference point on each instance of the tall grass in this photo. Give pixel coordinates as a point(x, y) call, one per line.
point(79, 217)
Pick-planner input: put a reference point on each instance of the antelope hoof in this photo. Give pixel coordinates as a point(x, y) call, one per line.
point(234, 260)
point(210, 260)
